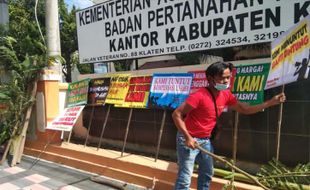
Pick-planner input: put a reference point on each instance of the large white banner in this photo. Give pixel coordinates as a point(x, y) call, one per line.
point(290, 56)
point(125, 29)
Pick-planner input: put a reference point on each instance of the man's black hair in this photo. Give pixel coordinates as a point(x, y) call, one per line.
point(218, 68)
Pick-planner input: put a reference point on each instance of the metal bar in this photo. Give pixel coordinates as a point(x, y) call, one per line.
point(69, 138)
point(160, 133)
point(127, 129)
point(89, 124)
point(104, 125)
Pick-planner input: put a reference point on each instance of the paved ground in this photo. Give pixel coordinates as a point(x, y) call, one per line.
point(47, 175)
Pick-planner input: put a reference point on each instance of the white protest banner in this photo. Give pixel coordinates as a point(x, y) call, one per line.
point(127, 29)
point(169, 90)
point(290, 56)
point(66, 120)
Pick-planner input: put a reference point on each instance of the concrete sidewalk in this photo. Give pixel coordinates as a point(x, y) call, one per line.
point(32, 174)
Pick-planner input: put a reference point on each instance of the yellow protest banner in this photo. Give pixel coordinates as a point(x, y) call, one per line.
point(290, 56)
point(138, 92)
point(118, 89)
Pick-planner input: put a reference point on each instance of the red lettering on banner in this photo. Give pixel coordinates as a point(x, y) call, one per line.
point(143, 87)
point(290, 50)
point(131, 88)
point(70, 114)
point(135, 97)
point(62, 123)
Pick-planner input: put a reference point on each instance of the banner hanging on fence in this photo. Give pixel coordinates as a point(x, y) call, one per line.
point(66, 120)
point(98, 90)
point(249, 83)
point(290, 56)
point(170, 90)
point(138, 92)
point(199, 80)
point(118, 89)
point(77, 93)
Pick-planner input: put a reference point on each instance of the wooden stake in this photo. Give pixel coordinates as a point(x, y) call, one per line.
point(104, 125)
point(279, 127)
point(160, 133)
point(127, 129)
point(235, 138)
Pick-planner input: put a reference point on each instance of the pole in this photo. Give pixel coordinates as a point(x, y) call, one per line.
point(235, 136)
point(89, 124)
point(160, 133)
point(104, 125)
point(279, 127)
point(52, 33)
point(4, 12)
point(127, 129)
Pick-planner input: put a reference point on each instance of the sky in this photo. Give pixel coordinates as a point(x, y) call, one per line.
point(78, 3)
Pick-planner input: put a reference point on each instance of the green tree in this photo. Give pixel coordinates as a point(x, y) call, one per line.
point(68, 38)
point(22, 55)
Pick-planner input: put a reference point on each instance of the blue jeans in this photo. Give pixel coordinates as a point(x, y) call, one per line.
point(186, 161)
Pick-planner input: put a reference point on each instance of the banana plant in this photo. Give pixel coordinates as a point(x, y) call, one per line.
point(14, 92)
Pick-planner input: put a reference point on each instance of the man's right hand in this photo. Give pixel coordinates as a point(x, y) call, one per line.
point(190, 142)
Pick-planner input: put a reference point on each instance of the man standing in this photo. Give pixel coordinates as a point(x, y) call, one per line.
point(196, 118)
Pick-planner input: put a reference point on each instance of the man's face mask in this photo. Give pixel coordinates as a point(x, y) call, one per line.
point(219, 86)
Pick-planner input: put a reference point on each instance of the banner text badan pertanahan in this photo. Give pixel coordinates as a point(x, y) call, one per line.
point(138, 28)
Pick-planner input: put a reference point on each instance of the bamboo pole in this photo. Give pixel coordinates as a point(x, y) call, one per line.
point(21, 142)
point(279, 127)
point(126, 133)
point(216, 157)
point(235, 137)
point(160, 133)
point(103, 126)
point(8, 145)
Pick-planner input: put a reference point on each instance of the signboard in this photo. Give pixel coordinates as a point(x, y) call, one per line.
point(77, 93)
point(249, 83)
point(98, 90)
point(66, 120)
point(118, 89)
point(138, 92)
point(291, 55)
point(115, 30)
point(170, 90)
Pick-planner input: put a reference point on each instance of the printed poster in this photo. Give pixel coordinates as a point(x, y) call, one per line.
point(249, 83)
point(290, 56)
point(66, 120)
point(118, 89)
point(170, 90)
point(77, 93)
point(138, 92)
point(98, 90)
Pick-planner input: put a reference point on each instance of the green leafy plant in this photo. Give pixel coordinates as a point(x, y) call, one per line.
point(15, 92)
point(276, 175)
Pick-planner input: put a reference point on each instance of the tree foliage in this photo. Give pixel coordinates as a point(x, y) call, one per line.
point(22, 55)
point(68, 36)
point(15, 92)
